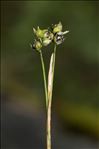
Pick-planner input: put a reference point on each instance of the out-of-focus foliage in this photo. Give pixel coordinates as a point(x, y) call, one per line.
point(77, 60)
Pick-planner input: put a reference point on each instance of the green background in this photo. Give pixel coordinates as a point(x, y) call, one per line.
point(76, 82)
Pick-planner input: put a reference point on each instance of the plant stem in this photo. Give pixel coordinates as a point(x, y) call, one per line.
point(44, 77)
point(49, 105)
point(49, 125)
point(48, 99)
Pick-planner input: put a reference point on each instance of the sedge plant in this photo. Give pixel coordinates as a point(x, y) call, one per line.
point(44, 37)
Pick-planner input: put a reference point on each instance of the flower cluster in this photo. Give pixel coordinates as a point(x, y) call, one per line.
point(46, 36)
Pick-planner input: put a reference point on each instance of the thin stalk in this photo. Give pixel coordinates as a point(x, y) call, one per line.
point(44, 78)
point(50, 90)
point(54, 60)
point(49, 126)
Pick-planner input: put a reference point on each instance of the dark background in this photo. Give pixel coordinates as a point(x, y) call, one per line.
point(75, 109)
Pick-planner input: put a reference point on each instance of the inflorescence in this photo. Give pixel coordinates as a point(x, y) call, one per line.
point(46, 36)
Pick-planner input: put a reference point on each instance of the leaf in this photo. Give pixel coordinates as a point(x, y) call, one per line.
point(50, 77)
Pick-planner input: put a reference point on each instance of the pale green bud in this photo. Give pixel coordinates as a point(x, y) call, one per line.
point(46, 42)
point(57, 28)
point(48, 37)
point(39, 33)
point(37, 45)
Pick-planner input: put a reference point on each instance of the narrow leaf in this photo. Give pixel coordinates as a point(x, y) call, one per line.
point(50, 77)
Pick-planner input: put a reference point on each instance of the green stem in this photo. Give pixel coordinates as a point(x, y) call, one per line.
point(44, 77)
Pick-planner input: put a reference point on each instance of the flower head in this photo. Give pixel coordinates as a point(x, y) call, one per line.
point(59, 37)
point(44, 35)
point(36, 45)
point(58, 33)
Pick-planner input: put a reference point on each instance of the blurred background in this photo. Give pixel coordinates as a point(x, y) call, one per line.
point(75, 109)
